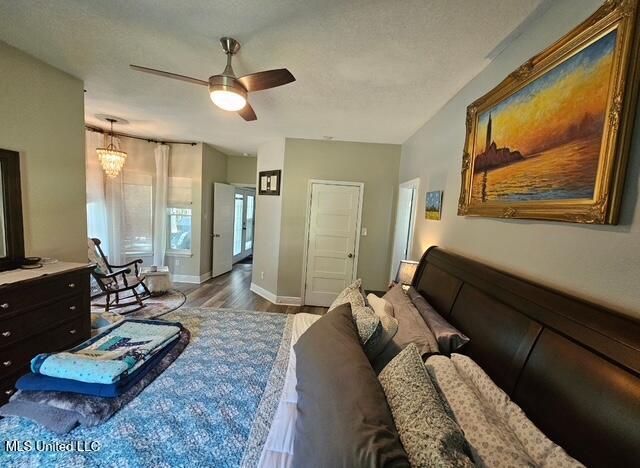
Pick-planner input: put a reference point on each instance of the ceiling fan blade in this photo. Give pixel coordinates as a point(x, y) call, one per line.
point(247, 113)
point(266, 79)
point(175, 76)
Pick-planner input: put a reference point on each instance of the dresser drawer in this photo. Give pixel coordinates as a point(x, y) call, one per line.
point(25, 324)
point(44, 290)
point(7, 387)
point(19, 355)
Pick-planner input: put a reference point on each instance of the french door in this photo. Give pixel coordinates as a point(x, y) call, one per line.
point(243, 223)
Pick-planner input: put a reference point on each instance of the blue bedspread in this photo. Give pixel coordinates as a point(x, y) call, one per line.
point(212, 407)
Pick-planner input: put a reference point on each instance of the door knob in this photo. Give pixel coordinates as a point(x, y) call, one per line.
point(350, 255)
point(216, 235)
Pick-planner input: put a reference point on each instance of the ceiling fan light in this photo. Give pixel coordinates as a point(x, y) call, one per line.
point(228, 100)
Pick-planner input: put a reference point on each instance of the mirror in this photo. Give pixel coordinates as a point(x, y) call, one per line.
point(11, 231)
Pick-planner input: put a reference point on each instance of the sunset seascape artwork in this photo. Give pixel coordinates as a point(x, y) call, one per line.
point(543, 142)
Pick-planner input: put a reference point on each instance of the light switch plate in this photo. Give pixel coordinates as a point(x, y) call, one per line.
point(364, 232)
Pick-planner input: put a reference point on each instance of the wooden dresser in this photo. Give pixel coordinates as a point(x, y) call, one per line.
point(41, 310)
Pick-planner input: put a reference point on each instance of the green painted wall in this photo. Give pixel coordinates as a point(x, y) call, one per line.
point(374, 164)
point(43, 119)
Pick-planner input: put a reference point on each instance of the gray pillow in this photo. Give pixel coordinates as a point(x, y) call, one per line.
point(411, 329)
point(428, 432)
point(342, 416)
point(449, 337)
point(386, 330)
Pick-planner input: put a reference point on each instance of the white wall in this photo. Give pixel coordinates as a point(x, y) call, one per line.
point(42, 118)
point(599, 263)
point(266, 247)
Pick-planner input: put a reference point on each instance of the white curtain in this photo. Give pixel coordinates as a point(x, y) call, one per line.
point(96, 201)
point(160, 204)
point(115, 215)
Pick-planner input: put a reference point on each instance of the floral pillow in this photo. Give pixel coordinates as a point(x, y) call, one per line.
point(351, 294)
point(428, 432)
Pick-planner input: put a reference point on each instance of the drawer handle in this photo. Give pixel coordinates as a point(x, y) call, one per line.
point(72, 285)
point(9, 392)
point(72, 331)
point(6, 334)
point(5, 305)
point(72, 307)
point(6, 363)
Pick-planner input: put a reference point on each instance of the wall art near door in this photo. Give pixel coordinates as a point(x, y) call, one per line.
point(269, 182)
point(552, 140)
point(433, 206)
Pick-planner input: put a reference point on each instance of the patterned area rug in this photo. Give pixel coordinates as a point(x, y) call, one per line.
point(155, 306)
point(211, 407)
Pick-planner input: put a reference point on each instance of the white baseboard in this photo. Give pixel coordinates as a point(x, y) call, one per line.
point(268, 295)
point(289, 300)
point(281, 300)
point(191, 278)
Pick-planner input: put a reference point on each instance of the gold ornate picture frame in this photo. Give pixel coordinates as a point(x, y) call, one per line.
point(552, 140)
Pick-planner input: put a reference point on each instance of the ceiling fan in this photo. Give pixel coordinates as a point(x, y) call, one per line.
point(227, 91)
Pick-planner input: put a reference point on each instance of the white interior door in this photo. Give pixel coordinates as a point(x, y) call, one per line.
point(223, 210)
point(334, 222)
point(405, 220)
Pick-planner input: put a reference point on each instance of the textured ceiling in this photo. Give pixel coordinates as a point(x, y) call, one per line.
point(371, 71)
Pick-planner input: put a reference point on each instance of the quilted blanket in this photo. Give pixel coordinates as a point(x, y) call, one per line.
point(212, 407)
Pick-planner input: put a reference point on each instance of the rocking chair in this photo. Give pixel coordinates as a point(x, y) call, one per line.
point(120, 287)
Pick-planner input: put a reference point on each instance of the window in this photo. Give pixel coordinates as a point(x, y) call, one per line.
point(249, 231)
point(138, 215)
point(238, 224)
point(179, 230)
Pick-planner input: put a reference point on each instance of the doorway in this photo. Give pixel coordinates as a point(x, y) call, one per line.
point(243, 223)
point(334, 213)
point(406, 211)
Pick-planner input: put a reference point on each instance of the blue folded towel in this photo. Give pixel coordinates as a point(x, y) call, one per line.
point(39, 382)
point(112, 354)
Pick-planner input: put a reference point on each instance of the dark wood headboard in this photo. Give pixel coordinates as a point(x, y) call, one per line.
point(572, 366)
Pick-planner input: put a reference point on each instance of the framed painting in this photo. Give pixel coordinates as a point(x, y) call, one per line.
point(269, 182)
point(552, 140)
point(433, 206)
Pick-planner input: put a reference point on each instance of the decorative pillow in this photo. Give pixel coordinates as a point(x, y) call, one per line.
point(494, 440)
point(429, 435)
point(378, 341)
point(379, 305)
point(449, 337)
point(342, 415)
point(351, 294)
point(411, 329)
point(492, 443)
point(367, 322)
point(542, 450)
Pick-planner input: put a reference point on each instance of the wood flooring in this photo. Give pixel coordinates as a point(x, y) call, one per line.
point(232, 291)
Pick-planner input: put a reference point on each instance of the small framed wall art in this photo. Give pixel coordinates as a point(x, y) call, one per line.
point(433, 206)
point(269, 182)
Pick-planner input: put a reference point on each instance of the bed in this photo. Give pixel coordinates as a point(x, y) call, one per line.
point(572, 366)
point(231, 398)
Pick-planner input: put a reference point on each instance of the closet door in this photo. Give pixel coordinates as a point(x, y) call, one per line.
point(334, 222)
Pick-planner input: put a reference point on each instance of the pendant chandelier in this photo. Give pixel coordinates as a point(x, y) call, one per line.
point(110, 158)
